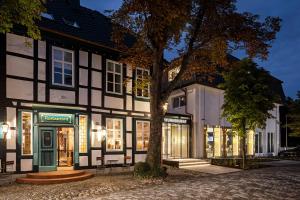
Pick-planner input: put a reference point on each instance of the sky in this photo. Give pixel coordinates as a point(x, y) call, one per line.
point(284, 57)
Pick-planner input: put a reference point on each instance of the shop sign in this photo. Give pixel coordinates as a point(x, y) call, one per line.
point(56, 118)
point(174, 120)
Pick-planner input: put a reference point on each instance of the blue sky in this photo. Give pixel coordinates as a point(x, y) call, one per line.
point(284, 58)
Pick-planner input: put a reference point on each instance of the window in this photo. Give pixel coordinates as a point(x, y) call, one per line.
point(62, 67)
point(47, 16)
point(114, 138)
point(179, 102)
point(113, 77)
point(26, 133)
point(270, 143)
point(173, 73)
point(142, 82)
point(82, 134)
point(258, 143)
point(142, 135)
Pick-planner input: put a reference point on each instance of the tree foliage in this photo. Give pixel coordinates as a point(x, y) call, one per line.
point(293, 117)
point(21, 12)
point(248, 98)
point(203, 32)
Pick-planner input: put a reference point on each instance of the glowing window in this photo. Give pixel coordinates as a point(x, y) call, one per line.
point(26, 133)
point(82, 134)
point(114, 138)
point(142, 135)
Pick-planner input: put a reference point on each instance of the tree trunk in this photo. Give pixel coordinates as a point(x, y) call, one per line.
point(157, 114)
point(244, 142)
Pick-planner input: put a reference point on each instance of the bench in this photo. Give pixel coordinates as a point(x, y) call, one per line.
point(7, 170)
point(100, 164)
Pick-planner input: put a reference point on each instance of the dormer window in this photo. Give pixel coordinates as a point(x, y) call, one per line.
point(71, 23)
point(47, 15)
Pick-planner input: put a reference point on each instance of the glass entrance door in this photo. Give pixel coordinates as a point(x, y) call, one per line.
point(175, 140)
point(65, 147)
point(47, 149)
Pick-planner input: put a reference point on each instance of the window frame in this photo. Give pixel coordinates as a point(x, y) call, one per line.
point(114, 137)
point(179, 104)
point(136, 79)
point(31, 132)
point(141, 121)
point(114, 73)
point(63, 62)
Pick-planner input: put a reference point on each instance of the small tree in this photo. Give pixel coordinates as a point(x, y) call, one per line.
point(248, 99)
point(21, 12)
point(293, 116)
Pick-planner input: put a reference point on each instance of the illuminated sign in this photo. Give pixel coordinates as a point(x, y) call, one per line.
point(56, 118)
point(174, 120)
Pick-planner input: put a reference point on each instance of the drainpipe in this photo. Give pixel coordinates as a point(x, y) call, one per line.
point(191, 115)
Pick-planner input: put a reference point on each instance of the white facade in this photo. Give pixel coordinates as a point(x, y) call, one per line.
point(204, 103)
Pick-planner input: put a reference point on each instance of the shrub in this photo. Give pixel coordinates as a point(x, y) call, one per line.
point(143, 170)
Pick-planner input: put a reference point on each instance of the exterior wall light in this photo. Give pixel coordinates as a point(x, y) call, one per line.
point(102, 133)
point(5, 131)
point(165, 107)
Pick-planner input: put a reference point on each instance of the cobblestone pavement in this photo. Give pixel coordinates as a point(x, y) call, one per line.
point(279, 182)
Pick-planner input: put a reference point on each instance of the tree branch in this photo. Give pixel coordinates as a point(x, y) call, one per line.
point(186, 57)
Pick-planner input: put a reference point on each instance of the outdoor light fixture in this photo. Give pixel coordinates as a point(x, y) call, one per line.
point(165, 107)
point(5, 130)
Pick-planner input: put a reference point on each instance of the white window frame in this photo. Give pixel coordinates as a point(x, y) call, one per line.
point(114, 72)
point(114, 136)
point(136, 79)
point(178, 97)
point(270, 142)
point(63, 62)
point(141, 121)
point(31, 133)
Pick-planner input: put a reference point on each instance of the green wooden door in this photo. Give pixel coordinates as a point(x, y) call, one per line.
point(47, 149)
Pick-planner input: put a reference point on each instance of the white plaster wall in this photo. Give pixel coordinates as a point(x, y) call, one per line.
point(83, 77)
point(128, 102)
point(19, 44)
point(129, 86)
point(128, 123)
point(62, 96)
point(19, 89)
point(18, 66)
point(83, 96)
point(96, 61)
point(113, 102)
point(96, 79)
point(42, 49)
point(96, 121)
point(96, 98)
point(26, 165)
point(139, 158)
point(129, 153)
point(41, 92)
point(11, 157)
point(142, 106)
point(129, 140)
point(120, 159)
point(83, 58)
point(129, 71)
point(95, 154)
point(42, 71)
point(83, 161)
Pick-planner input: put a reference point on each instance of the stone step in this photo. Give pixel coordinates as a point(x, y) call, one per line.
point(55, 179)
point(55, 174)
point(193, 163)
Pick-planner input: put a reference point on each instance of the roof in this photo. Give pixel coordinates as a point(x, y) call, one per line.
point(90, 25)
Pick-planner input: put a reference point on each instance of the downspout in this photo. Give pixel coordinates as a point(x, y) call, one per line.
point(192, 116)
